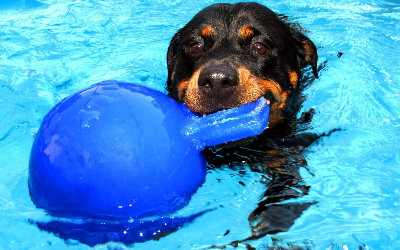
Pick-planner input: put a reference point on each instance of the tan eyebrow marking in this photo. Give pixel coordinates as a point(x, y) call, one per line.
point(246, 32)
point(208, 30)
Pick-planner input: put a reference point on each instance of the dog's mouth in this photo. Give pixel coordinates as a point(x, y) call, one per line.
point(223, 106)
point(206, 93)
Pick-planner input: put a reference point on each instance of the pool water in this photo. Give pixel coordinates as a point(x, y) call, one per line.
point(50, 49)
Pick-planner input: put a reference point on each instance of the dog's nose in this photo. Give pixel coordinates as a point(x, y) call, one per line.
point(219, 79)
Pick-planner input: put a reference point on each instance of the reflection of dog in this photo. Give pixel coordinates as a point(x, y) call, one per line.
point(232, 54)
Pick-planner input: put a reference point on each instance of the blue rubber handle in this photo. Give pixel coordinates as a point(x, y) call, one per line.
point(228, 125)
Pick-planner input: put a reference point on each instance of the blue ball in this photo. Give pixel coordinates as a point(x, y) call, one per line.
point(114, 150)
point(119, 150)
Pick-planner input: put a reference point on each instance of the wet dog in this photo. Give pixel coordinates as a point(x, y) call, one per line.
point(232, 54)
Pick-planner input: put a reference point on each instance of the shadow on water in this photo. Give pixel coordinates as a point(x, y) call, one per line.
point(93, 232)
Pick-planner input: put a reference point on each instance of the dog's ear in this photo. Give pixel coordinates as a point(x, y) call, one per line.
point(306, 51)
point(171, 56)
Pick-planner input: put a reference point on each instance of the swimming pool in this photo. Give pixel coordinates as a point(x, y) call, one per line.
point(50, 49)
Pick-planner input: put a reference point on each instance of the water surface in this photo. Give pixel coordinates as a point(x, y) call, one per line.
point(50, 49)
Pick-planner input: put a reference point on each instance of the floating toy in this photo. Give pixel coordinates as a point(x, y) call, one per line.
point(120, 150)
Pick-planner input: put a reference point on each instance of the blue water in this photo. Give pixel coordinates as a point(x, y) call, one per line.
point(50, 49)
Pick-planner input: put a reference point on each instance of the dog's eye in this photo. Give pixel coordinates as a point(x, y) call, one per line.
point(196, 47)
point(260, 48)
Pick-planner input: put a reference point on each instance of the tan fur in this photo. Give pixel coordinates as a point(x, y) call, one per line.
point(188, 91)
point(309, 51)
point(246, 32)
point(294, 78)
point(254, 87)
point(208, 30)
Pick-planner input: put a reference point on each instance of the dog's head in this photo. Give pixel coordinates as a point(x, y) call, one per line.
point(232, 54)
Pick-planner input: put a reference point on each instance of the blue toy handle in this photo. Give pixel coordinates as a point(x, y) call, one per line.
point(228, 125)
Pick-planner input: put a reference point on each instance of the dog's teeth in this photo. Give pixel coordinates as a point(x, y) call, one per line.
point(268, 102)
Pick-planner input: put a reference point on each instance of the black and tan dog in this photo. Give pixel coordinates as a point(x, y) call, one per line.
point(232, 54)
point(229, 55)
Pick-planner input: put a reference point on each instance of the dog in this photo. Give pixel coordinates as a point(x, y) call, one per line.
point(232, 54)
point(228, 55)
